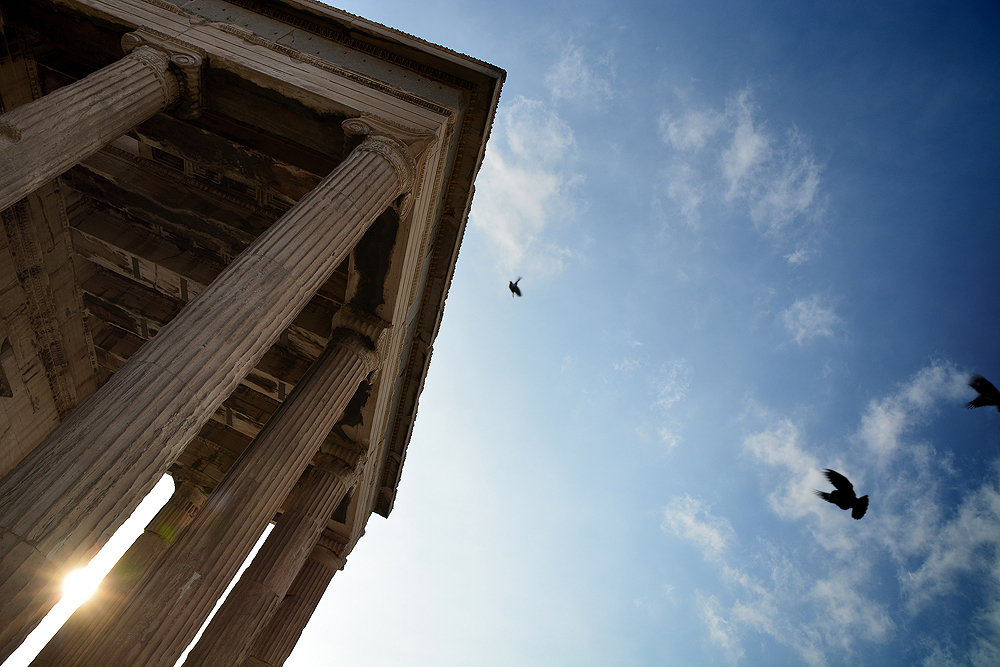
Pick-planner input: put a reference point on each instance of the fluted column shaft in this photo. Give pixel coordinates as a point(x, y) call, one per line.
point(44, 138)
point(81, 628)
point(162, 617)
point(67, 497)
point(248, 607)
point(275, 643)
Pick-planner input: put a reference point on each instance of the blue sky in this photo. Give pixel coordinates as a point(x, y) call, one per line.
point(757, 240)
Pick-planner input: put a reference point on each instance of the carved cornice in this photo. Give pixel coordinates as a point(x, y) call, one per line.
point(344, 37)
point(428, 227)
point(339, 37)
point(169, 6)
point(185, 59)
point(250, 36)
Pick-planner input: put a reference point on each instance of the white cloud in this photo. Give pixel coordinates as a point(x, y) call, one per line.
point(790, 189)
point(748, 148)
point(731, 158)
point(687, 190)
point(720, 631)
point(778, 447)
point(887, 419)
point(850, 611)
point(808, 318)
point(629, 366)
point(576, 77)
point(536, 133)
point(669, 438)
point(524, 186)
point(800, 255)
point(965, 544)
point(987, 625)
point(672, 383)
point(691, 520)
point(692, 130)
point(670, 386)
point(812, 617)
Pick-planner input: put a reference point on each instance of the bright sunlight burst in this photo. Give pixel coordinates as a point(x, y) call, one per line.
point(80, 585)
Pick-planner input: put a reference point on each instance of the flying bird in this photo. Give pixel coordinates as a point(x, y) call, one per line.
point(844, 497)
point(514, 289)
point(988, 394)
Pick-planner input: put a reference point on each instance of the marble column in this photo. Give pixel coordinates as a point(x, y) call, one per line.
point(161, 618)
point(63, 501)
point(74, 636)
point(275, 643)
point(249, 606)
point(42, 139)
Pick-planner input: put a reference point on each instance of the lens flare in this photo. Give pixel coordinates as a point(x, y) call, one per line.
point(79, 585)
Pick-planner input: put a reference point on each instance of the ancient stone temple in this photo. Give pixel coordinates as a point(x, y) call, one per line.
point(229, 227)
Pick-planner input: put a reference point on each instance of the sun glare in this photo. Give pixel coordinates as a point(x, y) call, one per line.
point(79, 585)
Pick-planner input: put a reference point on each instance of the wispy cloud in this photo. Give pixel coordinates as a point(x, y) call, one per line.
point(731, 157)
point(810, 318)
point(629, 366)
point(669, 438)
point(524, 186)
point(687, 190)
point(748, 149)
point(963, 545)
point(720, 631)
point(671, 383)
point(887, 419)
point(778, 446)
point(670, 386)
point(693, 521)
point(788, 189)
point(692, 130)
point(578, 76)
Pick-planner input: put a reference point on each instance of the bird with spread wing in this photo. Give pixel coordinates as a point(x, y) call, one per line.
point(844, 497)
point(514, 289)
point(988, 394)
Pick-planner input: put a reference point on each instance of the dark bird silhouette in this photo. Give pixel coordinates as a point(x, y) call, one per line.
point(988, 394)
point(844, 497)
point(514, 289)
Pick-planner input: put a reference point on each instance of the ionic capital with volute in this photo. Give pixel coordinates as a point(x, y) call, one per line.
point(361, 333)
point(186, 61)
point(404, 147)
point(329, 552)
point(354, 454)
point(335, 465)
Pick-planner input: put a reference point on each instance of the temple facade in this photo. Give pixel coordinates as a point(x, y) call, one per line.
point(229, 228)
